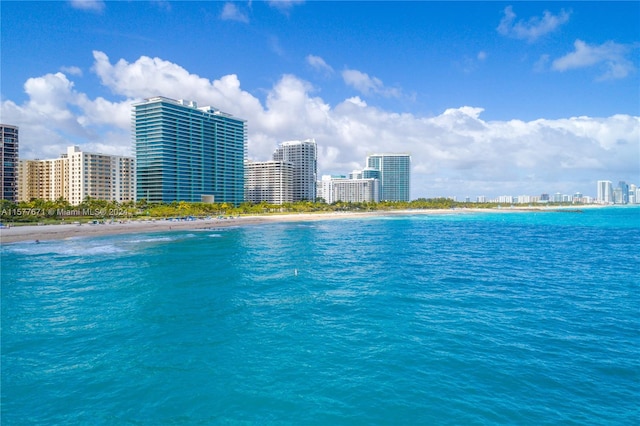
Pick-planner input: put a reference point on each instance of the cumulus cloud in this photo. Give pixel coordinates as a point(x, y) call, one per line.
point(319, 64)
point(532, 29)
point(56, 116)
point(92, 5)
point(456, 152)
point(612, 57)
point(230, 12)
point(367, 85)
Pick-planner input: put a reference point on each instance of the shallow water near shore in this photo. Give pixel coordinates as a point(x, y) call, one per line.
point(448, 319)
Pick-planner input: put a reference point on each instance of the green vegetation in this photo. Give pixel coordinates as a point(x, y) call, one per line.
point(43, 211)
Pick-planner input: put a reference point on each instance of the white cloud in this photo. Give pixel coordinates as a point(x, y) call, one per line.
point(532, 29)
point(541, 63)
point(456, 152)
point(275, 46)
point(56, 116)
point(284, 5)
point(319, 64)
point(92, 5)
point(72, 71)
point(468, 64)
point(230, 12)
point(612, 56)
point(367, 85)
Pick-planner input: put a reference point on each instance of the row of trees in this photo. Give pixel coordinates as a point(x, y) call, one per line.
point(38, 210)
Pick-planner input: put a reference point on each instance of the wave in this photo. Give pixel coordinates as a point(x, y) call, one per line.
point(63, 248)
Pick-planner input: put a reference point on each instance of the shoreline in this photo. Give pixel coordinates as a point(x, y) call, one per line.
point(63, 231)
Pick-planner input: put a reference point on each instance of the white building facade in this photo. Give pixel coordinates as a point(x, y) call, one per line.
point(304, 157)
point(78, 175)
point(605, 192)
point(269, 181)
point(339, 188)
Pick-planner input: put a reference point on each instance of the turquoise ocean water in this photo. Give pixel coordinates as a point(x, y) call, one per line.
point(488, 318)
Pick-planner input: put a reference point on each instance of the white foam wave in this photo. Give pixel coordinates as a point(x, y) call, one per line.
point(63, 248)
point(151, 240)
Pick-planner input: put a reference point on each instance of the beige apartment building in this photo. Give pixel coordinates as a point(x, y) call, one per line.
point(77, 175)
point(269, 181)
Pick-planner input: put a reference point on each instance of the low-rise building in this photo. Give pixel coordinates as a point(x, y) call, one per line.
point(339, 188)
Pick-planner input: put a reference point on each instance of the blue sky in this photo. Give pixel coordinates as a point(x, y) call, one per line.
point(490, 98)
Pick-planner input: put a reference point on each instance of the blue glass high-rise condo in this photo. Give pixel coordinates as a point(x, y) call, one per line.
point(184, 152)
point(395, 175)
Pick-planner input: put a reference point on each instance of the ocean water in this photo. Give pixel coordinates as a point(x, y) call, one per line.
point(488, 318)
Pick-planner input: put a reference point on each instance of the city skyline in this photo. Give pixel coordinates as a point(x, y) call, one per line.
point(260, 177)
point(298, 152)
point(490, 98)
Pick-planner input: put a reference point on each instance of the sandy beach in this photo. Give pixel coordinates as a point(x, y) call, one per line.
point(63, 231)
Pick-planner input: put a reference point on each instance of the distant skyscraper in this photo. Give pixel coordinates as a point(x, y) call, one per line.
point(605, 192)
point(633, 194)
point(184, 152)
point(9, 167)
point(624, 192)
point(304, 157)
point(395, 175)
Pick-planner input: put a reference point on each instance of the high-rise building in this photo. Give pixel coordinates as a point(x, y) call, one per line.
point(100, 176)
point(605, 192)
point(78, 175)
point(633, 194)
point(395, 175)
point(352, 190)
point(557, 197)
point(9, 166)
point(624, 193)
point(269, 181)
point(34, 180)
point(184, 152)
point(304, 157)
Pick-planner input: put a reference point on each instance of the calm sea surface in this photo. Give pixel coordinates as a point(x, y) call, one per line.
point(489, 318)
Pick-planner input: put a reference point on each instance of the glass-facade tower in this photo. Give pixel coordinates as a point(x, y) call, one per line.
point(184, 152)
point(9, 166)
point(395, 175)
